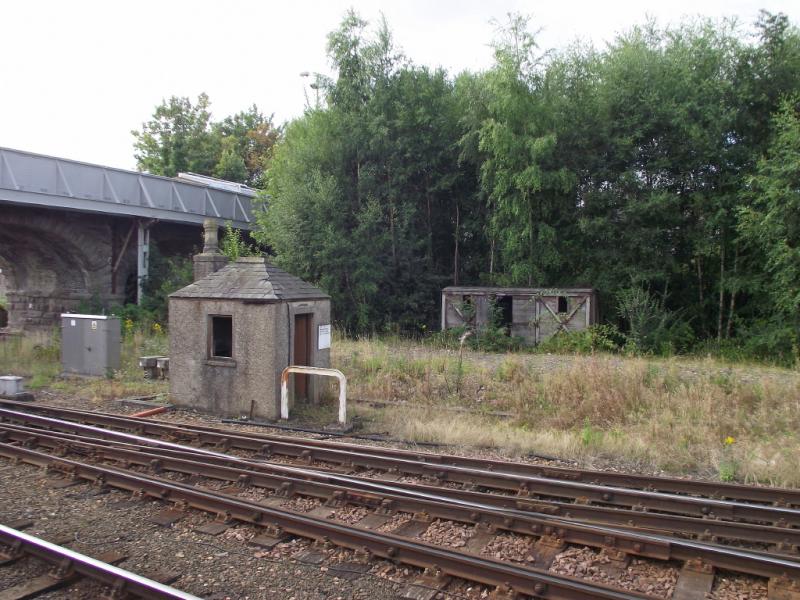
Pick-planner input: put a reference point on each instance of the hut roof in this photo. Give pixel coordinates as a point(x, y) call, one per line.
point(252, 279)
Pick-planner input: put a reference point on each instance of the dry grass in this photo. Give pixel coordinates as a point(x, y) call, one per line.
point(671, 415)
point(36, 356)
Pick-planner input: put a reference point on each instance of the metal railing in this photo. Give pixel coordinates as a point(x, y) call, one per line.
point(314, 371)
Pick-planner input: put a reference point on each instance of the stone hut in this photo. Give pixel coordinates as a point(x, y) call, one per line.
point(233, 332)
point(533, 314)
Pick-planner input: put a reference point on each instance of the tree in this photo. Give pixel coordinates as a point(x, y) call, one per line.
point(177, 139)
point(182, 137)
point(527, 189)
point(362, 187)
point(629, 168)
point(771, 223)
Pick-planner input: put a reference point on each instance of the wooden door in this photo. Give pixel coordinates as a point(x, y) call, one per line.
point(302, 353)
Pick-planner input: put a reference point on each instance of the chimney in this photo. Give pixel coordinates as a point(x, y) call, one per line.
point(210, 260)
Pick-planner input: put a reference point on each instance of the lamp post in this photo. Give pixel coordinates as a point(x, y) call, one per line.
point(314, 86)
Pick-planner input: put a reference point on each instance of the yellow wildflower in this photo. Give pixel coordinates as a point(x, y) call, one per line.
point(729, 440)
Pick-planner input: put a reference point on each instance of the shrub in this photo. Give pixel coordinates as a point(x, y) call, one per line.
point(167, 274)
point(652, 329)
point(597, 338)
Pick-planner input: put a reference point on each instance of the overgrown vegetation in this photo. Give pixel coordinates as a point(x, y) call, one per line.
point(661, 169)
point(166, 275)
point(36, 356)
point(732, 423)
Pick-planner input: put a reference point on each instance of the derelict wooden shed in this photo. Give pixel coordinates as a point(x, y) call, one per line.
point(534, 314)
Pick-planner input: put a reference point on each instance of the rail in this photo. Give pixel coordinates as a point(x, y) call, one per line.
point(119, 579)
point(526, 580)
point(720, 490)
point(339, 489)
point(314, 371)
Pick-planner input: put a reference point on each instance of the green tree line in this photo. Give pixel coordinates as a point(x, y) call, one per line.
point(181, 137)
point(663, 170)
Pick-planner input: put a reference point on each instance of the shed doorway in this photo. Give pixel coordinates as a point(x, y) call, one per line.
point(302, 353)
point(505, 306)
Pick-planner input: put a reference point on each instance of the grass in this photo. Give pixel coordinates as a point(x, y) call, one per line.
point(661, 414)
point(36, 356)
point(702, 416)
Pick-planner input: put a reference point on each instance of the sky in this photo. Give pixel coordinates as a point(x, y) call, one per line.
point(77, 76)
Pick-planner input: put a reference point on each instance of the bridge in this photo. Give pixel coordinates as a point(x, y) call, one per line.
point(73, 232)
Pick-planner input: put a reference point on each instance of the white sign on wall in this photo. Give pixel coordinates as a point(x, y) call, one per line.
point(324, 337)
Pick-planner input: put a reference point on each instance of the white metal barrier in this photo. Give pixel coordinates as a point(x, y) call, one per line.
point(314, 371)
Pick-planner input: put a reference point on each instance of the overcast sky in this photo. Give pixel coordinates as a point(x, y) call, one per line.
point(77, 76)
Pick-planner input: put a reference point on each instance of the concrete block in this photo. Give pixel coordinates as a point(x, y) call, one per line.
point(11, 384)
point(150, 365)
point(12, 388)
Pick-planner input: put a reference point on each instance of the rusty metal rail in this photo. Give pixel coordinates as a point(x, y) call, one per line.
point(720, 490)
point(782, 539)
point(525, 580)
point(384, 498)
point(476, 478)
point(67, 561)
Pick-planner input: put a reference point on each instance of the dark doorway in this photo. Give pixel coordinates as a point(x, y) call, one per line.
point(302, 353)
point(3, 317)
point(505, 306)
point(563, 304)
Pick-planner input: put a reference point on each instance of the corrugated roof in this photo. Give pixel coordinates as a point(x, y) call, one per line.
point(253, 279)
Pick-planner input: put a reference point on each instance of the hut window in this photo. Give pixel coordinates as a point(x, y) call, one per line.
point(221, 342)
point(563, 305)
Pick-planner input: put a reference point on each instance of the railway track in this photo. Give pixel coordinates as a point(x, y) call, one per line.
point(526, 580)
point(384, 501)
point(784, 497)
point(779, 539)
point(23, 432)
point(68, 566)
point(470, 479)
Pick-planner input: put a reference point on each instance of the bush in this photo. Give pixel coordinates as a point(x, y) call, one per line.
point(767, 341)
point(597, 338)
point(652, 329)
point(167, 274)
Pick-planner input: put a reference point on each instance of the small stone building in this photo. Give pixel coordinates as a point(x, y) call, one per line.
point(533, 314)
point(233, 332)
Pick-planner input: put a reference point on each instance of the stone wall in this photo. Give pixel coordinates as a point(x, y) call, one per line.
point(52, 261)
point(248, 384)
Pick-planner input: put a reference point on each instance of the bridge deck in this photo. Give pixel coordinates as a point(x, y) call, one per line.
point(38, 180)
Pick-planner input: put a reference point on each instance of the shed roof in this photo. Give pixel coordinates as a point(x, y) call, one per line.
point(253, 279)
point(509, 291)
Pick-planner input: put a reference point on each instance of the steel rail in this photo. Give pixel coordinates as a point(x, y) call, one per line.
point(383, 497)
point(581, 492)
point(120, 580)
point(731, 491)
point(528, 580)
point(783, 538)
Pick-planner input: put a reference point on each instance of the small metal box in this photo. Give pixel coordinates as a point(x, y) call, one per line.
point(90, 344)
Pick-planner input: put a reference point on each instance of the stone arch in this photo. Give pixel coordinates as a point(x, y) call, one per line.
point(50, 263)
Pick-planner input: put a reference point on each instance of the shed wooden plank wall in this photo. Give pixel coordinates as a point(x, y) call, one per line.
point(531, 319)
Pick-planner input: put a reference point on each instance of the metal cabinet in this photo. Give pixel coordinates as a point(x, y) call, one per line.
point(90, 344)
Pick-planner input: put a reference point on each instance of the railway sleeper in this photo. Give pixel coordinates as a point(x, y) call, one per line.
point(695, 581)
point(482, 570)
point(687, 487)
point(507, 522)
point(615, 496)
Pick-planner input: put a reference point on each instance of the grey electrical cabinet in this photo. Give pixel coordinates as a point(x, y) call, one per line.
point(90, 344)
